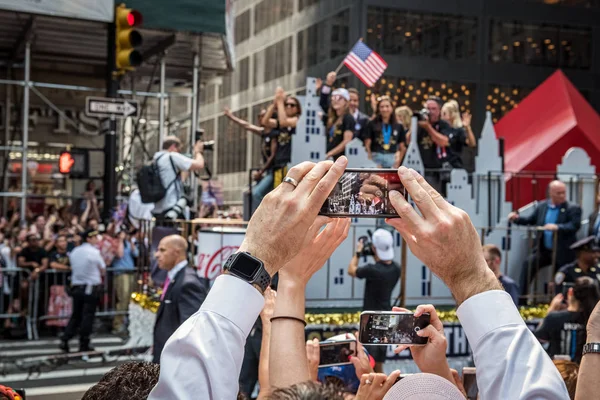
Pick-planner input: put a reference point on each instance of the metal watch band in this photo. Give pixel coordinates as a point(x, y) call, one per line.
point(591, 348)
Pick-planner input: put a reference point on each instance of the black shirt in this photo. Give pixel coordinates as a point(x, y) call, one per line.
point(61, 258)
point(283, 155)
point(335, 134)
point(564, 334)
point(433, 157)
point(31, 255)
point(385, 138)
point(381, 279)
point(570, 272)
point(265, 147)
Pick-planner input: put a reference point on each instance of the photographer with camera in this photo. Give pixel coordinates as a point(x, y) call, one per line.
point(173, 168)
point(381, 278)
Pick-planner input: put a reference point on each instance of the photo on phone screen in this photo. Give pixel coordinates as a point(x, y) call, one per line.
point(363, 193)
point(470, 383)
point(383, 328)
point(336, 353)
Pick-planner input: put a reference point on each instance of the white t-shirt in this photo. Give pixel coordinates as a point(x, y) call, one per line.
point(168, 175)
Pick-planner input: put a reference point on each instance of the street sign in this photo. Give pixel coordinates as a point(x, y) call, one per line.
point(104, 107)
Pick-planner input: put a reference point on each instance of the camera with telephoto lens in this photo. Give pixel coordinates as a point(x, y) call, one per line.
point(209, 145)
point(367, 249)
point(422, 115)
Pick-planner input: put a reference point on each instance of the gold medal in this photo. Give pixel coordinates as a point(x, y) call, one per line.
point(386, 146)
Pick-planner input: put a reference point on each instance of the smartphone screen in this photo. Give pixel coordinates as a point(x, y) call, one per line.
point(470, 383)
point(363, 193)
point(384, 328)
point(336, 353)
point(565, 289)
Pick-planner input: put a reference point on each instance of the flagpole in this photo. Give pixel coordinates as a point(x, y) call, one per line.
point(342, 63)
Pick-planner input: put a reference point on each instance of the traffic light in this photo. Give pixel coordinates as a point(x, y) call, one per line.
point(127, 38)
point(65, 162)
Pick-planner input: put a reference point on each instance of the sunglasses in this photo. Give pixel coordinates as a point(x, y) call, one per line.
point(291, 105)
point(337, 97)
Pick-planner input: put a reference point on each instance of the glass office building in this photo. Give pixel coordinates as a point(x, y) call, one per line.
point(486, 54)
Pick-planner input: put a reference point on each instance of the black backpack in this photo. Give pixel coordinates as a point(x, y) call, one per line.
point(152, 189)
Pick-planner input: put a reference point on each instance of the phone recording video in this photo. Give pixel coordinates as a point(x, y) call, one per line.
point(363, 193)
point(383, 328)
point(470, 383)
point(336, 353)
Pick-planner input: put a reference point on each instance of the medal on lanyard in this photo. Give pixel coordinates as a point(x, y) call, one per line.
point(387, 134)
point(331, 132)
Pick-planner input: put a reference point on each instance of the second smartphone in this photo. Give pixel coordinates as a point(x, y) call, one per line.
point(385, 328)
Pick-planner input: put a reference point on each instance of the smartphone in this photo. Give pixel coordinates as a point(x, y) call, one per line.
point(385, 328)
point(363, 193)
point(565, 290)
point(470, 383)
point(336, 353)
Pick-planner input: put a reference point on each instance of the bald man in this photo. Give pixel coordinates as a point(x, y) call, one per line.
point(554, 215)
point(183, 291)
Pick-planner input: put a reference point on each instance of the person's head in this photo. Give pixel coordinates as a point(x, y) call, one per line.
point(404, 115)
point(51, 210)
point(40, 222)
point(354, 101)
point(61, 243)
point(132, 380)
point(451, 114)
point(383, 245)
point(172, 144)
point(171, 251)
point(93, 223)
point(340, 105)
point(434, 106)
point(309, 390)
point(33, 241)
point(90, 186)
point(585, 251)
point(385, 109)
point(292, 107)
point(557, 191)
point(91, 236)
point(585, 294)
point(568, 370)
point(493, 258)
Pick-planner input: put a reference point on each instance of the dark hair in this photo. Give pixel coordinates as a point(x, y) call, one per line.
point(378, 121)
point(568, 370)
point(587, 294)
point(493, 250)
point(61, 236)
point(307, 391)
point(298, 105)
point(129, 381)
point(170, 141)
point(436, 99)
point(353, 91)
point(88, 185)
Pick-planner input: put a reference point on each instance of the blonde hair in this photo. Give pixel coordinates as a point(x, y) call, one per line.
point(451, 107)
point(404, 115)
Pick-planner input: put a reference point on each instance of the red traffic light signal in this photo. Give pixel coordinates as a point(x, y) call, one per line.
point(65, 162)
point(127, 38)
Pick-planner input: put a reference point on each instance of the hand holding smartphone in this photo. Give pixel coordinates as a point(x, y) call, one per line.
point(392, 328)
point(336, 353)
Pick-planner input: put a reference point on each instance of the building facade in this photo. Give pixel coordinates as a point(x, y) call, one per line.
point(486, 54)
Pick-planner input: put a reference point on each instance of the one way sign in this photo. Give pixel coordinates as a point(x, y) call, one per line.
point(104, 107)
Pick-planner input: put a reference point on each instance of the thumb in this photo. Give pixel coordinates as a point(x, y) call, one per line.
point(357, 365)
point(430, 332)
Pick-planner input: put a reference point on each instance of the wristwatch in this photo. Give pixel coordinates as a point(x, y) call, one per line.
point(248, 268)
point(591, 348)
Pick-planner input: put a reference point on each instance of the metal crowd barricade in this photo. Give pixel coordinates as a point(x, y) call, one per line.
point(16, 299)
point(51, 303)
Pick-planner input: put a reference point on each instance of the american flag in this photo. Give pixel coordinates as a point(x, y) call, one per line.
point(365, 63)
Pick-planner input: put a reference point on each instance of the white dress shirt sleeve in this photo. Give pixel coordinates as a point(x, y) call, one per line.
point(510, 362)
point(203, 358)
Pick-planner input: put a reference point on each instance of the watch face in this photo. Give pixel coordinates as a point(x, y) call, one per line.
point(246, 266)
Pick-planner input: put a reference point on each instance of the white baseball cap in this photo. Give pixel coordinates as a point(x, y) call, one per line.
point(424, 387)
point(341, 92)
point(383, 241)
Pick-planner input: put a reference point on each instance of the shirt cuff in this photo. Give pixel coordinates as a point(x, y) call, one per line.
point(235, 300)
point(325, 89)
point(486, 312)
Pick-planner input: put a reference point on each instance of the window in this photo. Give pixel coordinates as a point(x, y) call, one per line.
point(232, 145)
point(270, 12)
point(312, 49)
point(302, 4)
point(242, 27)
point(414, 92)
point(243, 71)
point(273, 62)
point(399, 32)
point(207, 94)
point(545, 45)
point(225, 87)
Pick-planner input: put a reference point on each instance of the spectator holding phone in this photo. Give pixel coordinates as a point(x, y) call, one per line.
point(564, 326)
point(381, 278)
point(385, 140)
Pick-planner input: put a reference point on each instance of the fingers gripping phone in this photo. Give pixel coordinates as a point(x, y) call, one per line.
point(385, 328)
point(363, 193)
point(336, 353)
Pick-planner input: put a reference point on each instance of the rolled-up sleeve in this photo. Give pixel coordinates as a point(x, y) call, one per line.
point(510, 362)
point(203, 358)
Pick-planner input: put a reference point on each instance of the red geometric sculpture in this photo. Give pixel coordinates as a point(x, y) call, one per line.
point(537, 134)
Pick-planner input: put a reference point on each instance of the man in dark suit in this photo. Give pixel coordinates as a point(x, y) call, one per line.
point(552, 215)
point(594, 221)
point(183, 291)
